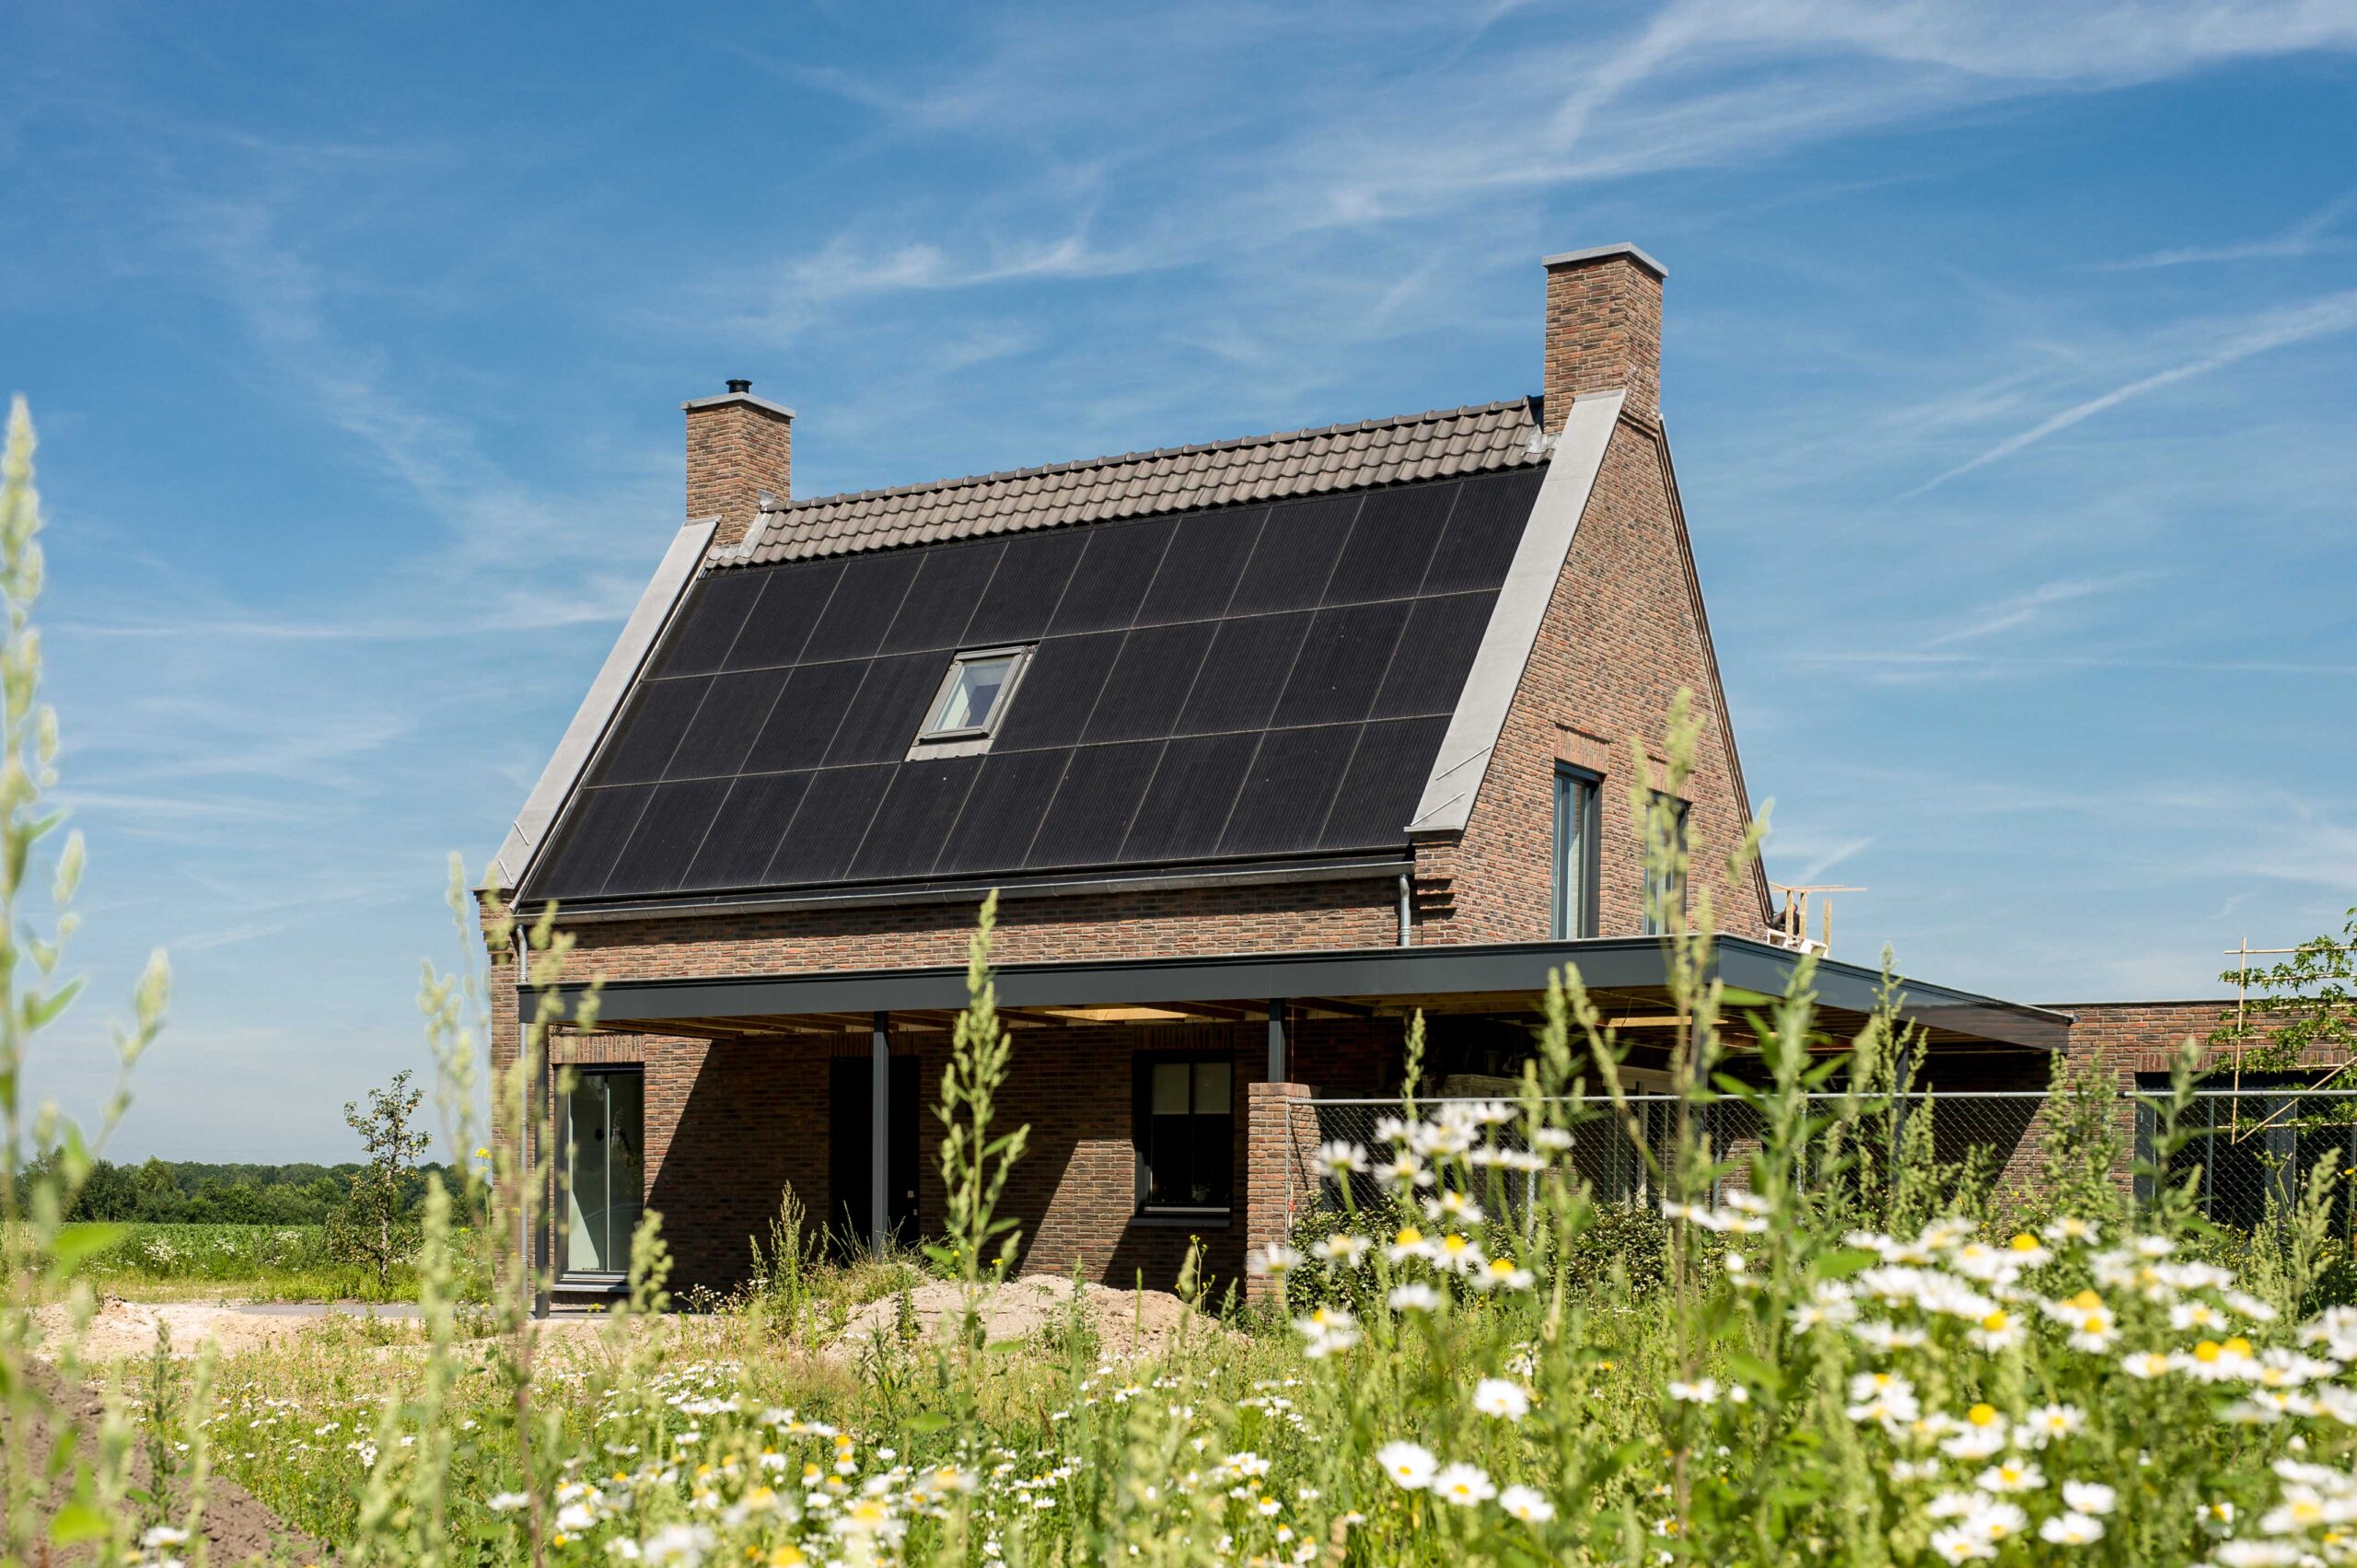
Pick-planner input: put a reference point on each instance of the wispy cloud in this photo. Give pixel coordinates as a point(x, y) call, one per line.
point(2019, 610)
point(2303, 238)
point(2278, 329)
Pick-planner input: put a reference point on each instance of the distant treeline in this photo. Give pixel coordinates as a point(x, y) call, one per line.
point(194, 1192)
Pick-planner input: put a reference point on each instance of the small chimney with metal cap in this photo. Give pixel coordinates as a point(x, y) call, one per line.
point(741, 454)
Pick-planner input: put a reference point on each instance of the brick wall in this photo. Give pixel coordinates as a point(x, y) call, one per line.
point(729, 1125)
point(1622, 633)
point(1308, 916)
point(1603, 333)
point(738, 447)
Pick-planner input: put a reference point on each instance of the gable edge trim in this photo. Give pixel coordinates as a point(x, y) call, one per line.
point(1480, 716)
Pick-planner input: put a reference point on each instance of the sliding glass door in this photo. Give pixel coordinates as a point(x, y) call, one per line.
point(606, 1180)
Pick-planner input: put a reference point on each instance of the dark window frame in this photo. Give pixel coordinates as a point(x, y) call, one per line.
point(563, 1148)
point(1648, 926)
point(1580, 792)
point(1142, 1065)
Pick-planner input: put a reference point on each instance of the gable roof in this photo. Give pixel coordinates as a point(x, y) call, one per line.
point(1437, 445)
point(1244, 684)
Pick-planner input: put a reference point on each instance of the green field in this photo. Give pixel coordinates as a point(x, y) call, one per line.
point(248, 1262)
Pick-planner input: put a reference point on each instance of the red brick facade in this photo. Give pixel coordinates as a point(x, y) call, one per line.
point(1624, 632)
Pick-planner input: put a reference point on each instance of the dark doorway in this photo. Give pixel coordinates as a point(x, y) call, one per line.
point(850, 1140)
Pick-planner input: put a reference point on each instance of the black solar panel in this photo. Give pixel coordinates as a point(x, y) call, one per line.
point(1243, 673)
point(669, 832)
point(792, 600)
point(1059, 691)
point(1286, 792)
point(1091, 813)
point(1110, 582)
point(906, 835)
point(1391, 543)
point(1342, 664)
point(1295, 555)
point(827, 830)
point(708, 626)
point(1200, 570)
point(747, 831)
point(595, 829)
point(889, 707)
point(1479, 544)
point(730, 719)
point(951, 582)
point(804, 719)
point(1382, 784)
point(1186, 808)
point(1003, 811)
point(1149, 682)
point(1436, 650)
point(1029, 581)
point(863, 606)
point(1264, 681)
point(641, 744)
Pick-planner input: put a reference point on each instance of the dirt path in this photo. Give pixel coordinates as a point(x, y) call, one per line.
point(237, 1527)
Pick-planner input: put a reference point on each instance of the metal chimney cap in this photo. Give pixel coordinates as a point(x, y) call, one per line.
point(737, 384)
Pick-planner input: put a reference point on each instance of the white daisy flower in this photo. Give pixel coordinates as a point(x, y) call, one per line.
point(1496, 1397)
point(1524, 1504)
point(1463, 1484)
point(1408, 1466)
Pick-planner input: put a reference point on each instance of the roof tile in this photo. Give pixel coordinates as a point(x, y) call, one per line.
point(1175, 478)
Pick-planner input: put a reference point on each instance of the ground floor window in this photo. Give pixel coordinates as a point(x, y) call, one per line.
point(604, 1134)
point(1185, 1132)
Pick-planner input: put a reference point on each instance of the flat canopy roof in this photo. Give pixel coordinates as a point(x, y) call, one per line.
point(1489, 978)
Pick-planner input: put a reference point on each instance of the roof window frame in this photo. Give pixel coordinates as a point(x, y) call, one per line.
point(971, 739)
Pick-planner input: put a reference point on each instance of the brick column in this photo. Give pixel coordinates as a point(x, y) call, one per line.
point(1280, 1169)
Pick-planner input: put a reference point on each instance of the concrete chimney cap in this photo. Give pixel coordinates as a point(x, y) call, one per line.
point(735, 396)
point(1600, 252)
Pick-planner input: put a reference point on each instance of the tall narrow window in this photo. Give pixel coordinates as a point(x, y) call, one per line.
point(1185, 1133)
point(1575, 854)
point(604, 1134)
point(1666, 887)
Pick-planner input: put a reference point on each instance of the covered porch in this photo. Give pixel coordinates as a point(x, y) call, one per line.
point(1167, 1097)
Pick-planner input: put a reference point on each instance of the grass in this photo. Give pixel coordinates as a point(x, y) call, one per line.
point(240, 1262)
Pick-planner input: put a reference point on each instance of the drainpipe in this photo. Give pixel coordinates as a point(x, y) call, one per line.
point(1406, 910)
point(527, 1135)
point(880, 1134)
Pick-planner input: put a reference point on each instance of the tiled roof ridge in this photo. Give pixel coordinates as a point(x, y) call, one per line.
point(1111, 459)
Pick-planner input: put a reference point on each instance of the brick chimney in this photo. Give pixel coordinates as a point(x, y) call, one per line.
point(738, 446)
point(1604, 330)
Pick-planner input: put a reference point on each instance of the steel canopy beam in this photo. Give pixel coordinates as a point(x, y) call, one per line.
point(1611, 963)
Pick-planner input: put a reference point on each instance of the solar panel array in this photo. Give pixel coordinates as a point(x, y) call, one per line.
point(1247, 683)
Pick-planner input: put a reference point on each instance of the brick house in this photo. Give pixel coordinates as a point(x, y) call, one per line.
point(1266, 744)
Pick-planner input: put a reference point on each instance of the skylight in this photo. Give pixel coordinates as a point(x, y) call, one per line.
point(972, 696)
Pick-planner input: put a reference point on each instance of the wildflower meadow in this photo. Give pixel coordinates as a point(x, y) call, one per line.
point(1804, 1349)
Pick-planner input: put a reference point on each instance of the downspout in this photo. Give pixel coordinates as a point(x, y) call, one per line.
point(526, 1135)
point(1406, 910)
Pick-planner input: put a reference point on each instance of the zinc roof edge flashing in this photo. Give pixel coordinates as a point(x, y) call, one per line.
point(532, 829)
point(1496, 675)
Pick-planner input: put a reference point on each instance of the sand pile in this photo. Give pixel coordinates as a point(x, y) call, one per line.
point(1127, 1324)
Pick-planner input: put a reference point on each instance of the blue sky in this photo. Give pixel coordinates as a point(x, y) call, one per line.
point(2011, 363)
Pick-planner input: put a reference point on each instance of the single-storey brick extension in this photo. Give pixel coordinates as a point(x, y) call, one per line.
point(1266, 745)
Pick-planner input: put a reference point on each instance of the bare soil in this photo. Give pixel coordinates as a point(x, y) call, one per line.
point(238, 1528)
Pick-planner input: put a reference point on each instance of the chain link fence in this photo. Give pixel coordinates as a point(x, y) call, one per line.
point(2243, 1148)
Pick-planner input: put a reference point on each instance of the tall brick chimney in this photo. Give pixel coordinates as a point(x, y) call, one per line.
point(738, 446)
point(1604, 330)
